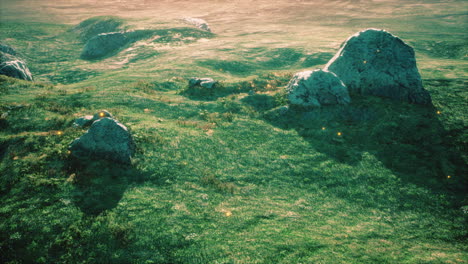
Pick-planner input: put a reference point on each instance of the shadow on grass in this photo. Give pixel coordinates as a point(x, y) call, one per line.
point(408, 139)
point(260, 102)
point(99, 185)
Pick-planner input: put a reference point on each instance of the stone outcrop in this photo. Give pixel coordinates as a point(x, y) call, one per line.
point(316, 88)
point(375, 62)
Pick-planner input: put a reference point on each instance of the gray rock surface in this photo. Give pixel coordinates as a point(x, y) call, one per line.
point(13, 67)
point(103, 45)
point(316, 88)
point(375, 62)
point(198, 22)
point(208, 83)
point(106, 139)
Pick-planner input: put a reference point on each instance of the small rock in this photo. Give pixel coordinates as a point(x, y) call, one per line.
point(83, 121)
point(104, 44)
point(375, 62)
point(198, 22)
point(89, 119)
point(316, 88)
point(14, 67)
point(106, 139)
point(203, 82)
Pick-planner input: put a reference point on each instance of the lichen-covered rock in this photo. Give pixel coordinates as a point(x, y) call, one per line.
point(14, 67)
point(375, 62)
point(103, 45)
point(198, 22)
point(208, 83)
point(316, 88)
point(106, 139)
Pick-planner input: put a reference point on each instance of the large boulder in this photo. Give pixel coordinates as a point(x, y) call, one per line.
point(106, 139)
point(197, 22)
point(375, 62)
point(103, 45)
point(316, 88)
point(13, 67)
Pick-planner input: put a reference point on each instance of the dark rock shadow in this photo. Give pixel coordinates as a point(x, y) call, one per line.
point(99, 185)
point(199, 93)
point(260, 102)
point(408, 139)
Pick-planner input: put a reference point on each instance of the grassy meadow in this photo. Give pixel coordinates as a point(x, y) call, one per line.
point(228, 176)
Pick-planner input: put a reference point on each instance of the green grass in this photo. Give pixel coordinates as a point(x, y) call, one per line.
point(96, 25)
point(225, 176)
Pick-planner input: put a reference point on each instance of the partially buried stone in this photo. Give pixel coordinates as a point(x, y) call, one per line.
point(203, 82)
point(375, 62)
point(316, 88)
point(106, 139)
